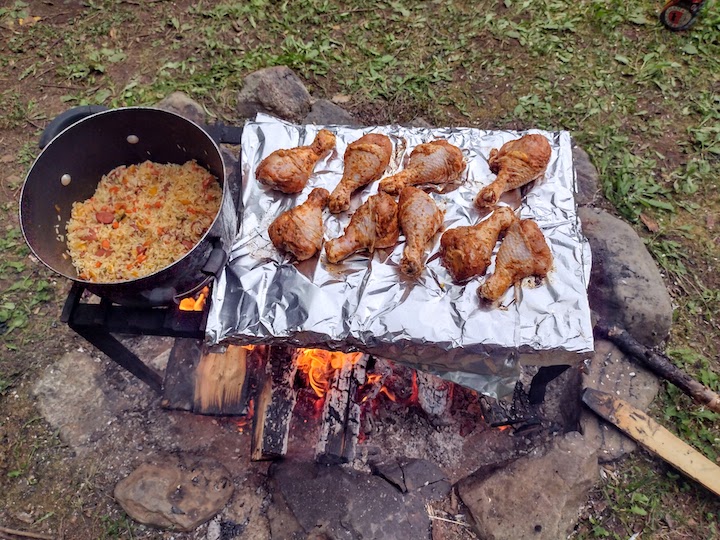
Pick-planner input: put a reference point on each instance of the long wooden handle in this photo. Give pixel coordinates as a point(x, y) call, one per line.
point(646, 431)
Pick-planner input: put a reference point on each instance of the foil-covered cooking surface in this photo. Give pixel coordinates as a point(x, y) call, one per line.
point(365, 303)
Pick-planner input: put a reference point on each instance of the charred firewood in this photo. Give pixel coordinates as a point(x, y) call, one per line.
point(434, 393)
point(274, 405)
point(341, 415)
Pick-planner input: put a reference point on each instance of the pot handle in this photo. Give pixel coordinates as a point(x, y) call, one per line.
point(213, 266)
point(67, 119)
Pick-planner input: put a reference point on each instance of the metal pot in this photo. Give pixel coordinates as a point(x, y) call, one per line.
point(70, 168)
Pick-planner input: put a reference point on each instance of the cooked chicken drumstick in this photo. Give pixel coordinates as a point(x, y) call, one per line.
point(300, 229)
point(436, 162)
point(466, 251)
point(288, 170)
point(365, 161)
point(419, 219)
point(374, 225)
point(517, 163)
point(523, 253)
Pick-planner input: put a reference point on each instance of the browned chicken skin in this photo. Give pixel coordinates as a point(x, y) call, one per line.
point(374, 225)
point(300, 229)
point(523, 253)
point(420, 219)
point(365, 161)
point(288, 170)
point(517, 163)
point(436, 162)
point(466, 251)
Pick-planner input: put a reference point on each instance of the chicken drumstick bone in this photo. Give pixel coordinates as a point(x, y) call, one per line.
point(365, 161)
point(523, 253)
point(420, 219)
point(436, 162)
point(374, 225)
point(300, 229)
point(288, 170)
point(517, 163)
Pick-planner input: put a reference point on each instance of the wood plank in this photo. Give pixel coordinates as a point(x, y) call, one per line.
point(220, 382)
point(274, 405)
point(643, 429)
point(341, 415)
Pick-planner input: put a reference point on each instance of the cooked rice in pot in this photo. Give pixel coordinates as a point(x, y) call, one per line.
point(141, 219)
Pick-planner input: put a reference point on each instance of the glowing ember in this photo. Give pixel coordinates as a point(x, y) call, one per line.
point(319, 365)
point(197, 303)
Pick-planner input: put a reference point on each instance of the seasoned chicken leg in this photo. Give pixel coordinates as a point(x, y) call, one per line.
point(288, 170)
point(300, 229)
point(419, 219)
point(523, 253)
point(517, 163)
point(466, 251)
point(374, 225)
point(436, 162)
point(365, 161)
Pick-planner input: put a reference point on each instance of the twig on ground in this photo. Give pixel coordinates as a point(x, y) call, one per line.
point(26, 534)
point(660, 365)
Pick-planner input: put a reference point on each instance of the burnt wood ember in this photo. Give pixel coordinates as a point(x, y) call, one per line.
point(341, 415)
point(434, 393)
point(520, 413)
point(274, 404)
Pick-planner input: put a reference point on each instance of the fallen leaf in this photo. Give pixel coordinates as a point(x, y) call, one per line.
point(710, 222)
point(340, 99)
point(7, 158)
point(650, 223)
point(113, 33)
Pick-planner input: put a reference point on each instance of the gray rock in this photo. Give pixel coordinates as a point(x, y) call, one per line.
point(183, 105)
point(588, 180)
point(610, 371)
point(419, 122)
point(536, 496)
point(276, 90)
point(349, 505)
point(411, 475)
point(626, 287)
point(325, 113)
point(176, 493)
point(71, 400)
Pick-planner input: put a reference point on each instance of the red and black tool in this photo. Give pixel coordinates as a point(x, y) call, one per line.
point(679, 15)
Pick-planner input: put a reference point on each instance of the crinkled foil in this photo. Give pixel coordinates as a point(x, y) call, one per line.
point(365, 303)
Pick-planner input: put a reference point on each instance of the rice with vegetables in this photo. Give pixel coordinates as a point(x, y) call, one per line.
point(141, 219)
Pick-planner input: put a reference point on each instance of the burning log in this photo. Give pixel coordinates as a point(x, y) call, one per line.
point(274, 405)
point(341, 414)
point(434, 393)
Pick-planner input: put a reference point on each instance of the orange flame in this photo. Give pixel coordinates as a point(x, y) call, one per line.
point(195, 304)
point(320, 365)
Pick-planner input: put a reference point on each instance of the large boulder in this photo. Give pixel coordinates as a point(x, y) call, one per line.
point(537, 496)
point(324, 113)
point(275, 90)
point(626, 287)
point(588, 180)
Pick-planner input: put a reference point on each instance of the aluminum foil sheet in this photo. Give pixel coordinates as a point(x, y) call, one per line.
point(365, 303)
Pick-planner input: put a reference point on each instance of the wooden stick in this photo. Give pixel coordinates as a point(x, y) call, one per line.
point(26, 534)
point(661, 365)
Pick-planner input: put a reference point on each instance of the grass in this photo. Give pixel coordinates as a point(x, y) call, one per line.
point(642, 101)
